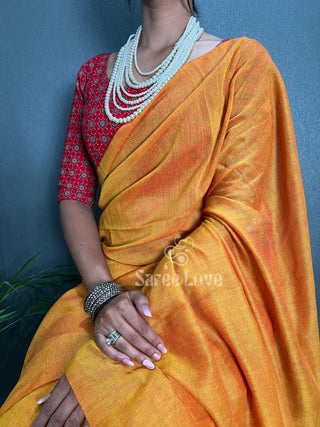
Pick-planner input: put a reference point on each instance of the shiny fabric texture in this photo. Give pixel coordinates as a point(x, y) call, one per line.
point(203, 210)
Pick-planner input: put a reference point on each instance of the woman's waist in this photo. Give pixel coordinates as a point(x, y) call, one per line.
point(144, 250)
point(133, 248)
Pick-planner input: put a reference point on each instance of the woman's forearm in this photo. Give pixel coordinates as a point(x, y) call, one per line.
point(82, 237)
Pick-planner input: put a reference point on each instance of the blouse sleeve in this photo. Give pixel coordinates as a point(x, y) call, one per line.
point(78, 179)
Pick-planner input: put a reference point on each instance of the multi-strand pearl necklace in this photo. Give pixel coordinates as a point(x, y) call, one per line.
point(134, 103)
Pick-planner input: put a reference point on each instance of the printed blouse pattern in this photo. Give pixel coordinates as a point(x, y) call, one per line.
point(89, 132)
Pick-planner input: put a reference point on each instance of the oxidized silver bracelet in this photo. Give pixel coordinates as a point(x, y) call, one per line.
point(99, 295)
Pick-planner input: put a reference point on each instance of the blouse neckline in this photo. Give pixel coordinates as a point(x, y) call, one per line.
point(204, 55)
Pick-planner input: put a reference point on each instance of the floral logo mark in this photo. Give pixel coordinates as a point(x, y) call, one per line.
point(184, 245)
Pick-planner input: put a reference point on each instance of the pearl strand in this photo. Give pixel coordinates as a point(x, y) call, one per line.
point(122, 120)
point(168, 59)
point(182, 43)
point(160, 85)
point(162, 73)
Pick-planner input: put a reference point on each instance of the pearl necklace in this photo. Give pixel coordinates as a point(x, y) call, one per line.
point(160, 75)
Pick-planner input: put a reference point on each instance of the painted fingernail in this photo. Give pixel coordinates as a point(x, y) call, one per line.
point(127, 362)
point(43, 399)
point(156, 356)
point(146, 311)
point(148, 364)
point(162, 348)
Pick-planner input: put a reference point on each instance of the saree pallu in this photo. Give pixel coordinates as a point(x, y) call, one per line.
point(203, 211)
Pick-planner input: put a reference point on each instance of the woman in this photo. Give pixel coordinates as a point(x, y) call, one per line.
point(199, 279)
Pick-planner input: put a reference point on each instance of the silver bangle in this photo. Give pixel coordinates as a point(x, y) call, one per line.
point(99, 295)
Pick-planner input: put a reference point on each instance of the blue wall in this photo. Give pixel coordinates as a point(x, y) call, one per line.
point(43, 44)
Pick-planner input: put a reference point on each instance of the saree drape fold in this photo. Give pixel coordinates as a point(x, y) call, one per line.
point(203, 210)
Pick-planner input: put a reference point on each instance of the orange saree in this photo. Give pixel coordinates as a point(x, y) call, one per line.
point(203, 210)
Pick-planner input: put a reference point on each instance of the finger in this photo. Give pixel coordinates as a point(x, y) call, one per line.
point(43, 399)
point(125, 307)
point(110, 351)
point(131, 342)
point(57, 395)
point(141, 302)
point(125, 353)
point(125, 347)
point(141, 325)
point(124, 317)
point(76, 418)
point(63, 411)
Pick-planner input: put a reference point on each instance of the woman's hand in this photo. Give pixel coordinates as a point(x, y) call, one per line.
point(125, 312)
point(60, 408)
point(138, 341)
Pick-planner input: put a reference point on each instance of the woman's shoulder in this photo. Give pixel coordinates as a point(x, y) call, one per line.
point(241, 49)
point(250, 52)
point(93, 68)
point(249, 48)
point(99, 61)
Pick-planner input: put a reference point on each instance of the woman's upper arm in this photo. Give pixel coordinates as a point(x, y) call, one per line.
point(77, 180)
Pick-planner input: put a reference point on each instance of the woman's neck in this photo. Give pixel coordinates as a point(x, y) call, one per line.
point(163, 22)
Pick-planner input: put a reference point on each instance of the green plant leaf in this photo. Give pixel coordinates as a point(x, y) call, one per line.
point(5, 317)
point(11, 324)
point(10, 289)
point(46, 284)
point(39, 290)
point(25, 264)
point(43, 279)
point(72, 277)
point(41, 307)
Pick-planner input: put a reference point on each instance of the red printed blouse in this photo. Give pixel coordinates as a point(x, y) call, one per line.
point(89, 132)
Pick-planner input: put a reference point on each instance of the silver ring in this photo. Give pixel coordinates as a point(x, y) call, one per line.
point(112, 337)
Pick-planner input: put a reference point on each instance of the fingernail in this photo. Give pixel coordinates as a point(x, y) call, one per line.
point(162, 348)
point(146, 311)
point(43, 399)
point(156, 356)
point(148, 364)
point(127, 362)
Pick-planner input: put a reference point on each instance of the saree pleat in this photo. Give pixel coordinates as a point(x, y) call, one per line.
point(203, 211)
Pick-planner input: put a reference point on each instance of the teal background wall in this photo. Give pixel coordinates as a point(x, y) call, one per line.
point(43, 44)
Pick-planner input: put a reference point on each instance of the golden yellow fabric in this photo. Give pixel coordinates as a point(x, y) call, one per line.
point(204, 212)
